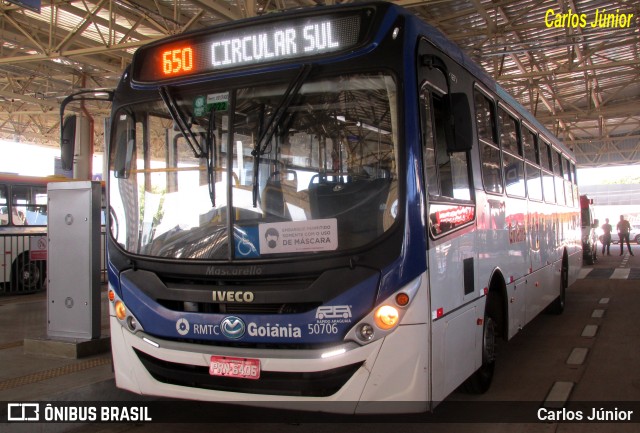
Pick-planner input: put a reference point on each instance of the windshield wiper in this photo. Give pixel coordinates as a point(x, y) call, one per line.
point(191, 139)
point(180, 120)
point(267, 133)
point(211, 156)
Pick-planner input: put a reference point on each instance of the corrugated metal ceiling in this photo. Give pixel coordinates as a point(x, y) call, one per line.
point(583, 83)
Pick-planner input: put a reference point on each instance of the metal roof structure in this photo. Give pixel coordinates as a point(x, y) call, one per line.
point(613, 194)
point(581, 81)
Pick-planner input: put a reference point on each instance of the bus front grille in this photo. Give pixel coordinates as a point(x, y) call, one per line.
point(240, 308)
point(305, 384)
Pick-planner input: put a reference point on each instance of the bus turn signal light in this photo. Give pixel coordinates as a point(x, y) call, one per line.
point(402, 299)
point(386, 317)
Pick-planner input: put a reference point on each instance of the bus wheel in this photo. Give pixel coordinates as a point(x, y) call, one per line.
point(27, 276)
point(480, 381)
point(557, 306)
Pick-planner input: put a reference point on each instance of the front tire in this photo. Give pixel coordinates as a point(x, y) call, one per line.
point(480, 381)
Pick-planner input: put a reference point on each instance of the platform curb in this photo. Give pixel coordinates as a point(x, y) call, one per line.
point(66, 347)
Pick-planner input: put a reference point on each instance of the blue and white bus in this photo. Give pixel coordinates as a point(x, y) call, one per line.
point(331, 205)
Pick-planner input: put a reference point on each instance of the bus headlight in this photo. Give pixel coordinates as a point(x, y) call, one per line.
point(365, 332)
point(132, 323)
point(121, 311)
point(386, 317)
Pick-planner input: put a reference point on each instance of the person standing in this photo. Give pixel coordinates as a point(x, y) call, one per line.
point(606, 236)
point(624, 228)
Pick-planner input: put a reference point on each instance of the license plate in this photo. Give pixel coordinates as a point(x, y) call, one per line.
point(244, 368)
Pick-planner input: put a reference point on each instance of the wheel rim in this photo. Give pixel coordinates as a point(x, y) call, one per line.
point(489, 341)
point(30, 276)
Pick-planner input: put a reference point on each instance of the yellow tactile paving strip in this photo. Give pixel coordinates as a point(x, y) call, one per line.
point(22, 299)
point(53, 372)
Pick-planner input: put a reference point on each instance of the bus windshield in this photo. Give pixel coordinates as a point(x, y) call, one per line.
point(324, 178)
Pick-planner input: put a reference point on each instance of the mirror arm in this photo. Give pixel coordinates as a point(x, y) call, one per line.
point(105, 95)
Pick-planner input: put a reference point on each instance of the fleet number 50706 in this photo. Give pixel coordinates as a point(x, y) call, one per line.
point(322, 328)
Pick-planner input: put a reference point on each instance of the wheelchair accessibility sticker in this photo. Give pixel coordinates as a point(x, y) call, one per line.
point(246, 242)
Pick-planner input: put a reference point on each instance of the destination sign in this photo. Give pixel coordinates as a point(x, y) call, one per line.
point(247, 46)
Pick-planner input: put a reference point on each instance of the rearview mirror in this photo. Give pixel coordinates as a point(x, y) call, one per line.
point(68, 124)
point(125, 145)
point(68, 142)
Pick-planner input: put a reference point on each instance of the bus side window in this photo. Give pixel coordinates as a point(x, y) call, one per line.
point(4, 206)
point(574, 182)
point(490, 152)
point(534, 178)
point(20, 199)
point(447, 175)
point(558, 177)
point(548, 183)
point(568, 189)
point(512, 161)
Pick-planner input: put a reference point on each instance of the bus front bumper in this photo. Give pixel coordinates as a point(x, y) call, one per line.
point(385, 376)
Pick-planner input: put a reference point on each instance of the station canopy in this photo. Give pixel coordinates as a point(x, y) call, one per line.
point(581, 81)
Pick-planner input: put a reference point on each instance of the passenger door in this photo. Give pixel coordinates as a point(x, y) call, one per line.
point(451, 233)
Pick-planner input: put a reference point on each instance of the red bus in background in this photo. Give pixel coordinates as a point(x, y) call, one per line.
point(23, 232)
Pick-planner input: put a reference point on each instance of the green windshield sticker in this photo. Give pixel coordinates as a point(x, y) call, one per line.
point(218, 101)
point(202, 105)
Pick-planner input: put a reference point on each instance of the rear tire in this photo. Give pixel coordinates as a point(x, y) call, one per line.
point(27, 276)
point(557, 306)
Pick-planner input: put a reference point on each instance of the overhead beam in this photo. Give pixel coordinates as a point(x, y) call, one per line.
point(538, 74)
point(78, 52)
point(609, 111)
point(30, 99)
point(221, 8)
